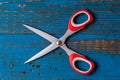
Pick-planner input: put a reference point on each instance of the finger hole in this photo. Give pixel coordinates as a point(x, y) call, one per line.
point(81, 65)
point(80, 19)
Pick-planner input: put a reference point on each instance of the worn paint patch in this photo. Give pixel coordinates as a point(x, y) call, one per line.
point(43, 12)
point(54, 6)
point(11, 65)
point(96, 0)
point(97, 45)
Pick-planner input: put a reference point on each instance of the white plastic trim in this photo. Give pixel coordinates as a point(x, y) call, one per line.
point(81, 59)
point(77, 25)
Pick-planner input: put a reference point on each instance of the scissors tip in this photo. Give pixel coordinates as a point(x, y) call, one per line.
point(25, 25)
point(29, 27)
point(27, 61)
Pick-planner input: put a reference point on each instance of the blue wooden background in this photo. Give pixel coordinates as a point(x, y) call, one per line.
point(100, 41)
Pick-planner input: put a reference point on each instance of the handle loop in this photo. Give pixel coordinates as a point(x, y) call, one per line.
point(76, 57)
point(74, 27)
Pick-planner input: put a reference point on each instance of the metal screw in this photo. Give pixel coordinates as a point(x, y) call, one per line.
point(59, 42)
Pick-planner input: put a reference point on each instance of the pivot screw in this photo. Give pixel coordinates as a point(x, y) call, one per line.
point(59, 42)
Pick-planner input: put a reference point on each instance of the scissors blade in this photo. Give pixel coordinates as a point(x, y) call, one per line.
point(43, 52)
point(41, 33)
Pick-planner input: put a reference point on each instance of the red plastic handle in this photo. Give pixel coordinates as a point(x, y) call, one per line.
point(73, 26)
point(76, 57)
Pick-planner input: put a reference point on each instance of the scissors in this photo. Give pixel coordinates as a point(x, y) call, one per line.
point(55, 43)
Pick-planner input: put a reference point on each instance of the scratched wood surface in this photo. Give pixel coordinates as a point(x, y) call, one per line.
point(100, 41)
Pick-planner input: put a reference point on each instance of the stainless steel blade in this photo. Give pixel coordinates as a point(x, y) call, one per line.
point(41, 33)
point(43, 52)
